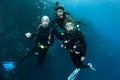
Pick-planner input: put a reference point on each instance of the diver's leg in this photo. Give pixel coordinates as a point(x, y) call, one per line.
point(84, 66)
point(31, 52)
point(80, 63)
point(73, 75)
point(89, 65)
point(74, 59)
point(41, 56)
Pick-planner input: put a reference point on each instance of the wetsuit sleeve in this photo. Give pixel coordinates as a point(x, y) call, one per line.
point(82, 44)
point(83, 47)
point(34, 35)
point(53, 21)
point(51, 37)
point(58, 35)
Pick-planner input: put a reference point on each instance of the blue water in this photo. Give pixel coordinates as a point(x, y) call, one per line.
point(102, 34)
point(104, 17)
point(103, 14)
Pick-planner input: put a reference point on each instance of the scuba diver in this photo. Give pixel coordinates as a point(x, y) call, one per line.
point(60, 16)
point(43, 40)
point(59, 19)
point(74, 42)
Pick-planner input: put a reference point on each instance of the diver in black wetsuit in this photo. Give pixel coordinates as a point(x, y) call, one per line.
point(59, 19)
point(74, 42)
point(44, 39)
point(60, 16)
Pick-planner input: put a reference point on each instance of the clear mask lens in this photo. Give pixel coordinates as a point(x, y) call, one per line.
point(69, 26)
point(45, 22)
point(60, 12)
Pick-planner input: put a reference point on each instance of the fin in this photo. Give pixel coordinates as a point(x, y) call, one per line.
point(74, 74)
point(91, 67)
point(9, 65)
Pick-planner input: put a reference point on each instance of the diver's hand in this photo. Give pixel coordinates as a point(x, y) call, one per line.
point(82, 58)
point(49, 37)
point(28, 35)
point(78, 25)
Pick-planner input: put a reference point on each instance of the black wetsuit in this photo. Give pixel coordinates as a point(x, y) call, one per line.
point(59, 22)
point(74, 43)
point(42, 39)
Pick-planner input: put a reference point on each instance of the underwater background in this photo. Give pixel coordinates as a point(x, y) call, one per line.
point(101, 30)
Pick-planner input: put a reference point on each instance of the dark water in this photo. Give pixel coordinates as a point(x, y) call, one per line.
point(102, 33)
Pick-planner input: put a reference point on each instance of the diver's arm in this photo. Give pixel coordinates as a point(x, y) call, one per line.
point(58, 35)
point(82, 58)
point(53, 21)
point(83, 44)
point(81, 24)
point(30, 35)
point(51, 38)
point(83, 52)
point(33, 35)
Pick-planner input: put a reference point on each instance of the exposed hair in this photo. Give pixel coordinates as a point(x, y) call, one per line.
point(58, 6)
point(68, 19)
